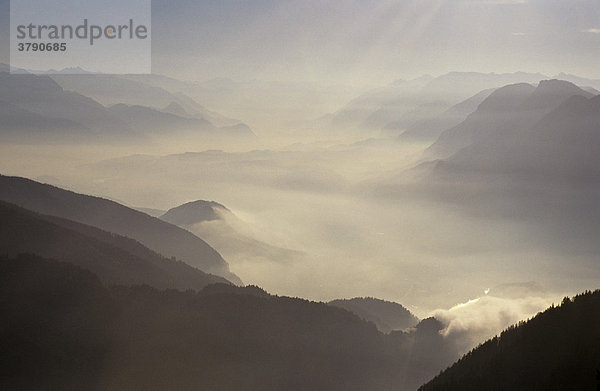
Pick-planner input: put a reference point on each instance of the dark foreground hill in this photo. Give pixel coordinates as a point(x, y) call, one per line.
point(115, 259)
point(63, 330)
point(558, 349)
point(160, 236)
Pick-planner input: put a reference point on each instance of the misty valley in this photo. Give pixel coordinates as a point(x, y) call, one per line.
point(432, 233)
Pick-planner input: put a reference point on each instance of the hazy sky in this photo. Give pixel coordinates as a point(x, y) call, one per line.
point(368, 41)
point(377, 39)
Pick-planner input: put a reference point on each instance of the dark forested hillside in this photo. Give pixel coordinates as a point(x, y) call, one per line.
point(55, 331)
point(158, 235)
point(558, 349)
point(62, 329)
point(115, 259)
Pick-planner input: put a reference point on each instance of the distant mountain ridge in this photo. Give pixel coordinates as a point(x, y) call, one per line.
point(38, 109)
point(510, 109)
point(152, 120)
point(528, 154)
point(43, 97)
point(17, 122)
point(558, 135)
point(386, 106)
point(431, 128)
point(386, 315)
point(135, 90)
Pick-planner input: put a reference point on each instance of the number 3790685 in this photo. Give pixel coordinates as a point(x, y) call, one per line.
point(41, 47)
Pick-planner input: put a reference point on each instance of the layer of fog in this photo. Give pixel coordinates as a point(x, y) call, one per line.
point(313, 200)
point(328, 213)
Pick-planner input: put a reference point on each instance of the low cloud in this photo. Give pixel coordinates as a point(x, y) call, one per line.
point(477, 320)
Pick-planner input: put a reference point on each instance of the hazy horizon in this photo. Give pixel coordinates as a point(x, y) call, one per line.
point(365, 44)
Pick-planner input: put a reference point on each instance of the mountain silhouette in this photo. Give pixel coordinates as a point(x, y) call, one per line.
point(139, 90)
point(148, 121)
point(75, 333)
point(42, 96)
point(528, 154)
point(160, 236)
point(224, 231)
point(38, 109)
point(560, 146)
point(115, 259)
point(509, 110)
point(193, 212)
point(430, 129)
point(386, 106)
point(20, 124)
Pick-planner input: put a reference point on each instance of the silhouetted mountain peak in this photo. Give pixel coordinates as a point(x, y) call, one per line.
point(548, 93)
point(194, 212)
point(160, 236)
point(558, 87)
point(429, 326)
point(114, 258)
point(507, 98)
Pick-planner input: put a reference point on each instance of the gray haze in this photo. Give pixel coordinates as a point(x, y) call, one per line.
point(344, 169)
point(367, 43)
point(371, 42)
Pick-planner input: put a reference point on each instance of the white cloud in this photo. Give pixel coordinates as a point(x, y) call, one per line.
point(592, 31)
point(477, 320)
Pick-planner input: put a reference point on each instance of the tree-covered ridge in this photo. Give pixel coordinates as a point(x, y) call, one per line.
point(107, 215)
point(115, 259)
point(63, 329)
point(559, 349)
